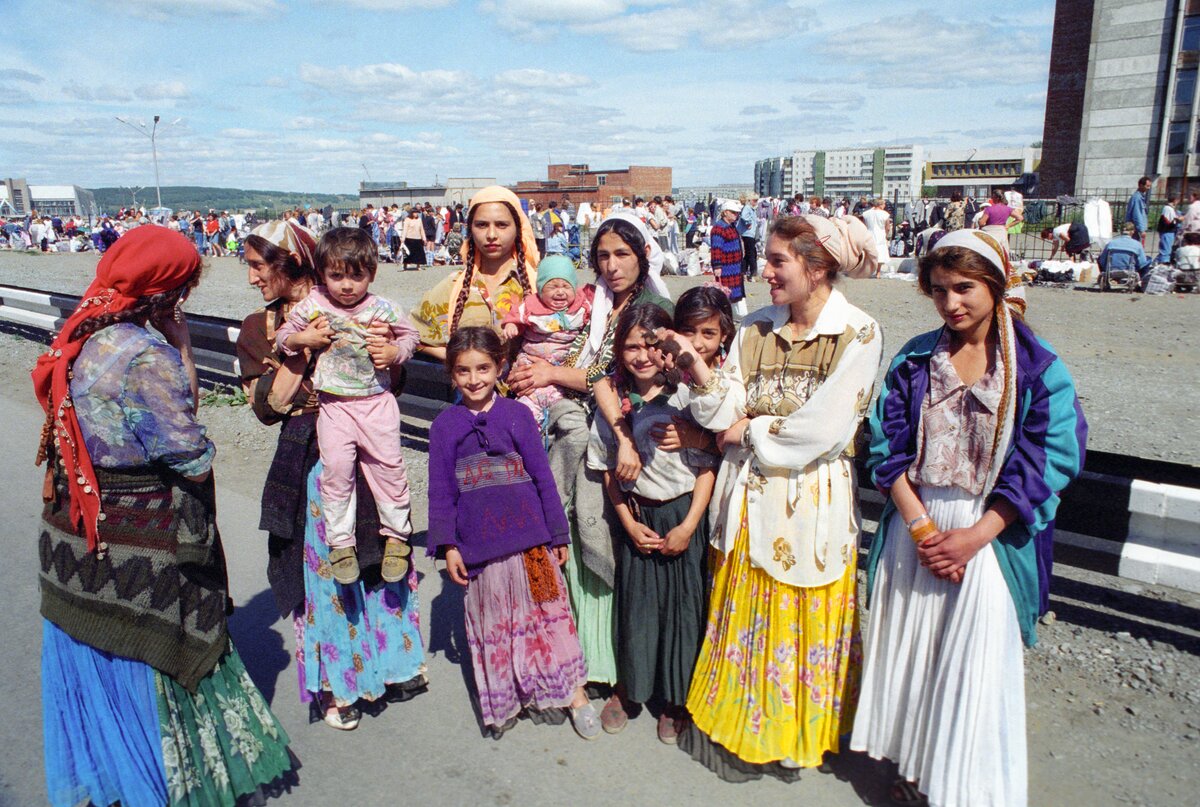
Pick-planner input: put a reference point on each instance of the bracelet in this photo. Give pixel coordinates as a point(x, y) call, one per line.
point(924, 531)
point(917, 520)
point(707, 387)
point(746, 437)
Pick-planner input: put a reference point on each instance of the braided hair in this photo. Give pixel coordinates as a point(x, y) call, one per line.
point(468, 278)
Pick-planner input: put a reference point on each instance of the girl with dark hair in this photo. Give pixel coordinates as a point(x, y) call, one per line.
point(975, 434)
point(777, 676)
point(627, 263)
point(496, 519)
point(500, 262)
point(386, 656)
point(661, 590)
point(139, 675)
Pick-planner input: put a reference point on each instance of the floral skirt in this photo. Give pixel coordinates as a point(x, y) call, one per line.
point(778, 672)
point(525, 654)
point(352, 641)
point(592, 603)
point(116, 730)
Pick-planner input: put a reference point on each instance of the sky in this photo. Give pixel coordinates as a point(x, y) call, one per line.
point(317, 95)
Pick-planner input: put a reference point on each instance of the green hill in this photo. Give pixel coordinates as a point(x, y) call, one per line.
point(194, 197)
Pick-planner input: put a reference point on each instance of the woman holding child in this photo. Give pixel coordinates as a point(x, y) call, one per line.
point(777, 676)
point(352, 641)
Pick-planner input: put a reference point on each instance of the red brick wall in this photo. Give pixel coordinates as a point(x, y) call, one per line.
point(1064, 96)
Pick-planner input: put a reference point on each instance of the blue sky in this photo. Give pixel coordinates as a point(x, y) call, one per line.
point(300, 95)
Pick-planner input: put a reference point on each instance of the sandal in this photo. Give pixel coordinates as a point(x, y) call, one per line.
point(344, 561)
point(395, 561)
point(343, 718)
point(904, 793)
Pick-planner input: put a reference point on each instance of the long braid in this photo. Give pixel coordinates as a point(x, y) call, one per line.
point(522, 275)
point(465, 292)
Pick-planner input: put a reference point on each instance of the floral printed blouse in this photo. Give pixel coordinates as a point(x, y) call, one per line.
point(958, 425)
point(806, 396)
point(134, 403)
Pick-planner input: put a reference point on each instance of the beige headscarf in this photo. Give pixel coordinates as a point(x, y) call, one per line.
point(495, 193)
point(290, 237)
point(849, 242)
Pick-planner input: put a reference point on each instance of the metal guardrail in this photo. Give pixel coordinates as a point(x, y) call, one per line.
point(1126, 516)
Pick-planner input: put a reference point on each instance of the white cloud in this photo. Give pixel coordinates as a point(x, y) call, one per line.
point(542, 79)
point(1029, 102)
point(388, 80)
point(17, 74)
point(392, 5)
point(840, 99)
point(159, 12)
point(162, 91)
point(759, 109)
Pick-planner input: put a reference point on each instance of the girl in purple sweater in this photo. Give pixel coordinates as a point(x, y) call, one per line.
point(495, 516)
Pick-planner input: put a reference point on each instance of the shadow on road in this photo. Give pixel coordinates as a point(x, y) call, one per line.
point(259, 643)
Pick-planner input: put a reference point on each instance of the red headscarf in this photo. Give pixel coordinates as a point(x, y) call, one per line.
point(145, 261)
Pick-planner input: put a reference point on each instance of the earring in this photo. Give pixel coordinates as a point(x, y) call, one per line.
point(177, 314)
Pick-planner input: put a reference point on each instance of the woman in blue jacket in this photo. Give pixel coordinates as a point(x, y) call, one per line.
point(975, 433)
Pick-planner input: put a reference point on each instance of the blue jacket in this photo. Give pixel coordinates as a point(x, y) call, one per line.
point(1046, 453)
point(1123, 252)
point(1137, 210)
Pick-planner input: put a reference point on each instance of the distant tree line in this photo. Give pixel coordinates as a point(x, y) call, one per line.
point(194, 197)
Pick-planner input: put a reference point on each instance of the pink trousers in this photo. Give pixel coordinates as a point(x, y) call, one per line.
point(366, 430)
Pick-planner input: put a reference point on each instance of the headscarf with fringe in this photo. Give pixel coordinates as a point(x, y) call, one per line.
point(147, 260)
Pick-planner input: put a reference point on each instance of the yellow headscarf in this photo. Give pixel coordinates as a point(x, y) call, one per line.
point(495, 193)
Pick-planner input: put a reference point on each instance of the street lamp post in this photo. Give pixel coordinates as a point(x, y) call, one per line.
point(152, 133)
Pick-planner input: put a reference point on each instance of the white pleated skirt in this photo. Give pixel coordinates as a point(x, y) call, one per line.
point(943, 686)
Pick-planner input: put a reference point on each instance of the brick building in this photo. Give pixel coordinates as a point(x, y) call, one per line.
point(582, 184)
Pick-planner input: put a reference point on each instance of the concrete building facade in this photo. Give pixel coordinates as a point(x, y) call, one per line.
point(19, 198)
point(1122, 98)
point(978, 172)
point(456, 190)
point(850, 172)
point(580, 183)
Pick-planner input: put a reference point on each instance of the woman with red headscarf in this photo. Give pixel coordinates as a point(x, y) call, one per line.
point(145, 700)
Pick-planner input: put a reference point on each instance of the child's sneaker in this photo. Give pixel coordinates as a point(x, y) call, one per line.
point(586, 721)
point(344, 561)
point(395, 561)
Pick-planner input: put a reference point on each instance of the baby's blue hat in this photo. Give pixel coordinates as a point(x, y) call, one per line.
point(556, 266)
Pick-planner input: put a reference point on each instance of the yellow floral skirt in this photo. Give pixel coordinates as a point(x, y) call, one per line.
point(778, 673)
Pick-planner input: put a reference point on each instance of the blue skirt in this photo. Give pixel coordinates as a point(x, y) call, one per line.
point(352, 641)
point(100, 723)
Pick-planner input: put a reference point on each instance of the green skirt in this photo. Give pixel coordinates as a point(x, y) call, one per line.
point(661, 607)
point(220, 742)
point(592, 603)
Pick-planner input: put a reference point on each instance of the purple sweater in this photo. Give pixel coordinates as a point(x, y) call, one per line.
point(491, 493)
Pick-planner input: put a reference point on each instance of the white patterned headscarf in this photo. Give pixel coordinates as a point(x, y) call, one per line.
point(603, 304)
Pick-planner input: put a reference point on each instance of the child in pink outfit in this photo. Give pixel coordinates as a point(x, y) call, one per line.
point(550, 322)
point(359, 417)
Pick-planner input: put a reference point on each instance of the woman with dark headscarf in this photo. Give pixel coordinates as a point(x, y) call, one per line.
point(145, 700)
point(354, 642)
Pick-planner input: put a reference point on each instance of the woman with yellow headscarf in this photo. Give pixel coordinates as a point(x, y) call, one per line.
point(500, 258)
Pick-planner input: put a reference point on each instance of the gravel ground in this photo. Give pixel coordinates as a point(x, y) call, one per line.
point(1134, 358)
point(1113, 686)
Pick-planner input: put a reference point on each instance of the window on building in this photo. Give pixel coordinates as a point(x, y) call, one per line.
point(1191, 33)
point(1177, 137)
point(601, 179)
point(1185, 86)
